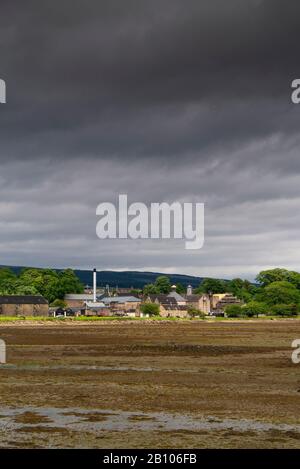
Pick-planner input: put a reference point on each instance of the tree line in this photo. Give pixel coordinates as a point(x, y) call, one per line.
point(274, 292)
point(51, 284)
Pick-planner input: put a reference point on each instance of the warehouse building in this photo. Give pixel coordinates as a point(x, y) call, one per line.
point(23, 305)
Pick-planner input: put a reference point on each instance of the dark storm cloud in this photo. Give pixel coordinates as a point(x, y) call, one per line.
point(138, 77)
point(163, 100)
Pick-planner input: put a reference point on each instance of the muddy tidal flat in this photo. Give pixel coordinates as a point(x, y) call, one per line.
point(153, 384)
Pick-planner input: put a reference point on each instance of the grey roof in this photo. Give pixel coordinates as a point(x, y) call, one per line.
point(81, 296)
point(163, 299)
point(193, 297)
point(176, 295)
point(120, 299)
point(96, 307)
point(97, 304)
point(23, 300)
point(124, 294)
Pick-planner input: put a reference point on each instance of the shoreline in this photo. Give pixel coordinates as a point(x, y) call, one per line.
point(16, 322)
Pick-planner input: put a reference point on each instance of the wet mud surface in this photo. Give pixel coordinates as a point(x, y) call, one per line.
point(138, 385)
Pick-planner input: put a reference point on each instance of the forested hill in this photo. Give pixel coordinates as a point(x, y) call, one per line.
point(134, 279)
point(126, 279)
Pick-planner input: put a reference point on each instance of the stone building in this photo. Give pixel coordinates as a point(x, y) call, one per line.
point(113, 305)
point(181, 301)
point(210, 304)
point(168, 305)
point(23, 305)
point(74, 300)
point(201, 302)
point(222, 300)
point(128, 305)
point(173, 311)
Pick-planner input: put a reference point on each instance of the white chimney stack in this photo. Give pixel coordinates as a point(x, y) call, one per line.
point(94, 285)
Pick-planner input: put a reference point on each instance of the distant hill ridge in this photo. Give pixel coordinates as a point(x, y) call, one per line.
point(124, 279)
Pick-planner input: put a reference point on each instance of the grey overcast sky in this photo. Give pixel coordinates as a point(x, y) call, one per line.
point(163, 100)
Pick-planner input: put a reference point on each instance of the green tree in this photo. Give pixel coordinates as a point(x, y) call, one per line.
point(242, 289)
point(281, 292)
point(287, 310)
point(51, 287)
point(7, 289)
point(233, 311)
point(194, 312)
point(150, 289)
point(7, 281)
point(212, 285)
point(69, 282)
point(135, 292)
point(32, 278)
point(6, 274)
point(163, 284)
point(254, 308)
point(150, 308)
point(294, 278)
point(265, 277)
point(180, 288)
point(59, 303)
point(25, 290)
point(235, 285)
point(50, 283)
